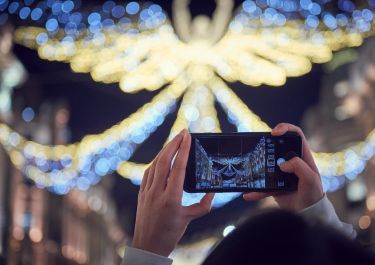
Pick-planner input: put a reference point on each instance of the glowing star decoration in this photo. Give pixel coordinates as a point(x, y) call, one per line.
point(264, 42)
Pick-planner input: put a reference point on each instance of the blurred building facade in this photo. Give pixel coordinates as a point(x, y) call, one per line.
point(345, 115)
point(39, 227)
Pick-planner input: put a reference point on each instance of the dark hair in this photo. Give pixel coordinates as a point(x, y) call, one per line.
point(279, 237)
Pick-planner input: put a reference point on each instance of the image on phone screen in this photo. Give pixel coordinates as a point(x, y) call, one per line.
point(221, 164)
point(240, 162)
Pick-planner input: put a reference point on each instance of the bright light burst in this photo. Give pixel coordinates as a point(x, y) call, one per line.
point(138, 47)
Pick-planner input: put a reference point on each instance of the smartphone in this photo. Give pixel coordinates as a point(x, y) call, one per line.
point(240, 162)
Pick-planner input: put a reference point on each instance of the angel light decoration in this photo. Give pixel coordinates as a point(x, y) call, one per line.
point(262, 42)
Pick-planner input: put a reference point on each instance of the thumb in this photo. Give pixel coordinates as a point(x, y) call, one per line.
point(201, 208)
point(298, 167)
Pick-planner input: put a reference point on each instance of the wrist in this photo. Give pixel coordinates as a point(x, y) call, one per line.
point(138, 256)
point(311, 202)
point(152, 247)
point(316, 197)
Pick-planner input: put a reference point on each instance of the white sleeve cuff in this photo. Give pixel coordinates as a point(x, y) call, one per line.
point(135, 256)
point(324, 212)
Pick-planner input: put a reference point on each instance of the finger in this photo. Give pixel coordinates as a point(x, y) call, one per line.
point(300, 168)
point(152, 167)
point(282, 128)
point(163, 163)
point(177, 177)
point(144, 180)
point(201, 208)
point(256, 196)
point(151, 173)
point(309, 184)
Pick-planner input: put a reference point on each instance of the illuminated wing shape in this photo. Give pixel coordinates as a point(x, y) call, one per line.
point(124, 52)
point(263, 45)
point(267, 45)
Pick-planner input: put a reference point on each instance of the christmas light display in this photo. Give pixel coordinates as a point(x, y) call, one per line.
point(137, 46)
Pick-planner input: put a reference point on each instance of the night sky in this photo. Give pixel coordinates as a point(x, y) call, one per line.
point(95, 107)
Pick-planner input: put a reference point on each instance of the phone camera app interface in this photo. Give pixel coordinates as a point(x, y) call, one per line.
point(240, 162)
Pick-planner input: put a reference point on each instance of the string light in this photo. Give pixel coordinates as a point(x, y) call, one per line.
point(266, 42)
point(83, 164)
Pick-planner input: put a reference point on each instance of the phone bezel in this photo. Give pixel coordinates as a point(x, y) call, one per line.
point(189, 186)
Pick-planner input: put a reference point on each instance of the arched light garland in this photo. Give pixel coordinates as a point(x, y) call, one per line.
point(266, 42)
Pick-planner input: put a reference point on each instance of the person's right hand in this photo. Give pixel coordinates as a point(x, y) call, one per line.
point(309, 189)
point(161, 219)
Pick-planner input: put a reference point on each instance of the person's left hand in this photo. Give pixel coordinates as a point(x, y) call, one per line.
point(161, 219)
point(310, 188)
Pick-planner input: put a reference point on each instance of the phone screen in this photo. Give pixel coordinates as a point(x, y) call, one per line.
point(241, 162)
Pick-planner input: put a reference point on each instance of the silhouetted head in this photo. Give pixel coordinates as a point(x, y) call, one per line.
point(280, 237)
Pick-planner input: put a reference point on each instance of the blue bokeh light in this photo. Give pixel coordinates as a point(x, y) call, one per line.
point(108, 6)
point(70, 28)
point(305, 4)
point(315, 9)
point(52, 24)
point(67, 6)
point(108, 22)
point(118, 11)
point(76, 18)
point(346, 5)
point(24, 12)
point(132, 8)
point(102, 166)
point(312, 21)
point(367, 15)
point(249, 6)
point(290, 6)
point(330, 21)
point(342, 20)
point(13, 7)
point(94, 18)
point(60, 189)
point(56, 8)
point(83, 183)
point(42, 38)
point(28, 114)
point(36, 14)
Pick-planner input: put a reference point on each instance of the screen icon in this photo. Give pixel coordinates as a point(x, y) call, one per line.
point(280, 183)
point(271, 162)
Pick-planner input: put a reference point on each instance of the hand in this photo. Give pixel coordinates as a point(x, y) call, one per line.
point(161, 219)
point(309, 185)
